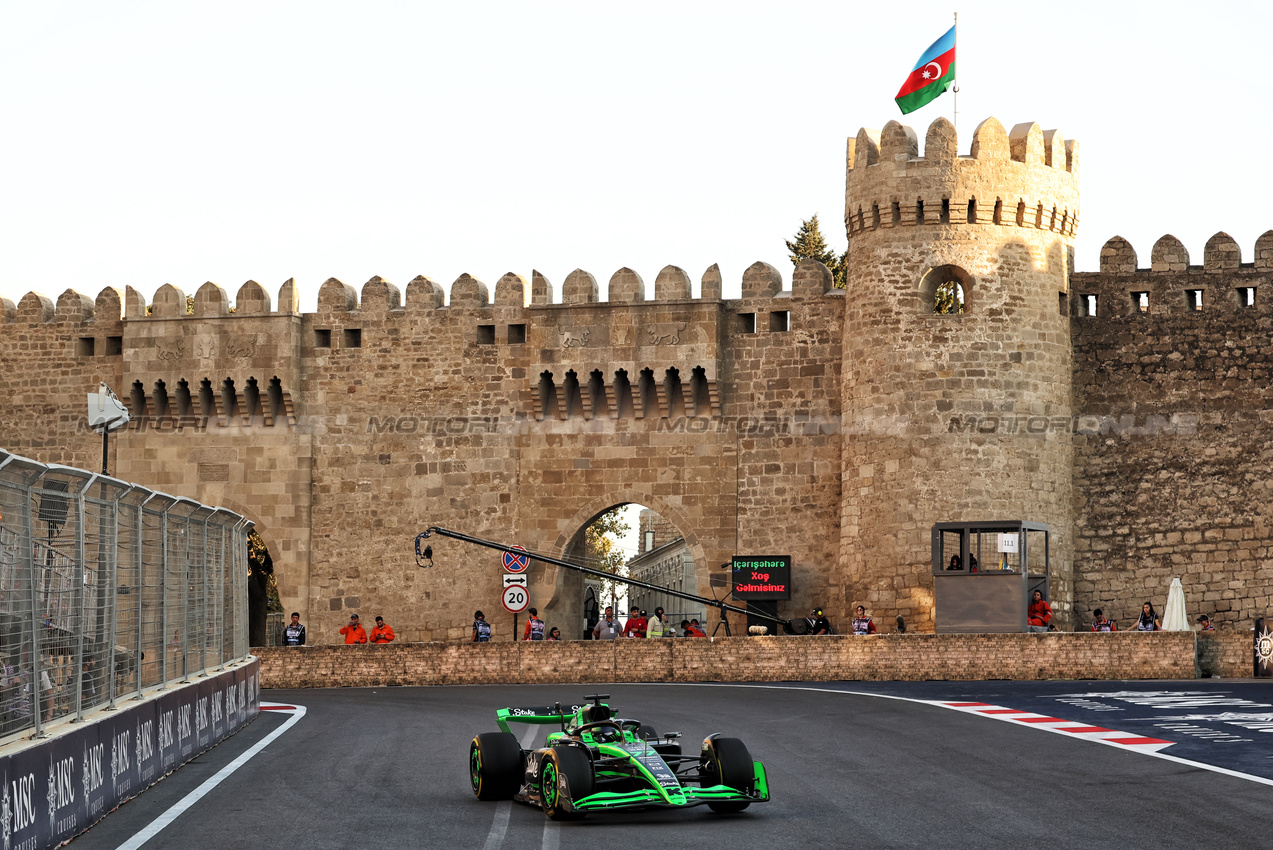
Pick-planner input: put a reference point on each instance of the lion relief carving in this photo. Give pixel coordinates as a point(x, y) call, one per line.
point(573, 337)
point(665, 333)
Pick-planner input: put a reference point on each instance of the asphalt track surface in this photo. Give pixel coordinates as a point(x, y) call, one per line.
point(931, 765)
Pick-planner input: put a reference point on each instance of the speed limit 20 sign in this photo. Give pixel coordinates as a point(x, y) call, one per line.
point(516, 599)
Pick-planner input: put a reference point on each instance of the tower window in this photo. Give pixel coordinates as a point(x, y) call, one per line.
point(779, 320)
point(516, 334)
point(944, 290)
point(945, 210)
point(897, 213)
point(919, 212)
point(353, 337)
point(999, 211)
point(85, 346)
point(485, 334)
point(747, 323)
point(1193, 299)
point(322, 338)
point(1087, 304)
point(972, 210)
point(1140, 302)
point(875, 216)
point(1246, 296)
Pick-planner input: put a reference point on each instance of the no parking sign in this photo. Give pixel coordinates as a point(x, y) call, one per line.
point(516, 562)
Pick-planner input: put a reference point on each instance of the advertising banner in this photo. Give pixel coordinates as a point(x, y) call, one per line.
point(59, 787)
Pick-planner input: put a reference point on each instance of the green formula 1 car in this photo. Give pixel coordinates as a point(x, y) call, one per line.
point(601, 762)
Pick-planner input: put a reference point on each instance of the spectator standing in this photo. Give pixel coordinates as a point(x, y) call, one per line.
point(294, 632)
point(1100, 624)
point(862, 624)
point(1148, 621)
point(656, 626)
point(481, 628)
point(1206, 623)
point(534, 627)
point(636, 625)
point(821, 625)
point(554, 634)
point(607, 628)
point(353, 631)
point(1039, 614)
point(382, 633)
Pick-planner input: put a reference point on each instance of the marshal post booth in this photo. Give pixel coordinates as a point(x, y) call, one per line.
point(984, 574)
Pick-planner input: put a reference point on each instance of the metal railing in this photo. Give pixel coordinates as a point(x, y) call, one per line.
point(108, 590)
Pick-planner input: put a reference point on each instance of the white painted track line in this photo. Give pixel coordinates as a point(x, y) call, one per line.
point(157, 825)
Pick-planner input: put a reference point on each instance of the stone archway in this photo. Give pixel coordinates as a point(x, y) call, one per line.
point(256, 602)
point(565, 588)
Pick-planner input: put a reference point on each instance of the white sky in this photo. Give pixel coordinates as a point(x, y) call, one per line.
point(152, 143)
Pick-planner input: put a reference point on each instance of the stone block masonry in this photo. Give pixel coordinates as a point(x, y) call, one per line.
point(1121, 655)
point(1128, 408)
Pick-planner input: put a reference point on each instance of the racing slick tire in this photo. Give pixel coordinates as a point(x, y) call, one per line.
point(495, 765)
point(726, 761)
point(572, 763)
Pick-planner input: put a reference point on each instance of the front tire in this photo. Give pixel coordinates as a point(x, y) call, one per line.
point(726, 761)
point(495, 765)
point(571, 763)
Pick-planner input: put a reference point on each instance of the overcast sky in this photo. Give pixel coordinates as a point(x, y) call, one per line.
point(152, 143)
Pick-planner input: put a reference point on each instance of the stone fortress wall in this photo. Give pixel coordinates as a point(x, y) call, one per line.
point(834, 426)
point(345, 432)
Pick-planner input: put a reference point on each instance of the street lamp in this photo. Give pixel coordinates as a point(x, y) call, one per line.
point(106, 413)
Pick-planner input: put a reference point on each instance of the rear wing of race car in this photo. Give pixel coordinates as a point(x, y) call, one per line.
point(537, 714)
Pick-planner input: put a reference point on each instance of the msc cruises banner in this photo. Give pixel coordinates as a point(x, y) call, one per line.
point(59, 787)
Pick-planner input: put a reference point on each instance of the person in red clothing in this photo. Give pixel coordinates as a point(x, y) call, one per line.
point(354, 632)
point(692, 629)
point(1101, 624)
point(636, 625)
point(1039, 613)
point(862, 624)
point(534, 627)
point(382, 633)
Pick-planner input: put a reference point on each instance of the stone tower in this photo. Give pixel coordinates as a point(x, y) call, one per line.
point(966, 415)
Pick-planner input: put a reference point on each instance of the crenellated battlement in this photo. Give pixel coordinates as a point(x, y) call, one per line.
point(1222, 286)
point(1027, 179)
point(378, 296)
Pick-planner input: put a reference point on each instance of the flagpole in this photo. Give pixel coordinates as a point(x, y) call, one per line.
point(954, 97)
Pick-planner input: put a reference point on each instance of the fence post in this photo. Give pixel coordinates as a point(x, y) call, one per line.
point(28, 526)
point(79, 598)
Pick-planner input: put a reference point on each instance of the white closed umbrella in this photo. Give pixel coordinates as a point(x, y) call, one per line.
point(1174, 618)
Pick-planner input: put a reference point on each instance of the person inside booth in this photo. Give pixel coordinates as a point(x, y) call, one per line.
point(1039, 614)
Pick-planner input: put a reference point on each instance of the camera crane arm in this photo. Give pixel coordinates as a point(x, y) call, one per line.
point(491, 544)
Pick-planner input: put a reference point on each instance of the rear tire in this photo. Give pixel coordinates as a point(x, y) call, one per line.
point(726, 761)
point(495, 765)
point(572, 763)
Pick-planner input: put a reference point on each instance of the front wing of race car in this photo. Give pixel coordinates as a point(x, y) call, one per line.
point(660, 795)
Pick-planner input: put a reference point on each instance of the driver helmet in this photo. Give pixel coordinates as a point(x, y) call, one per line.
point(817, 612)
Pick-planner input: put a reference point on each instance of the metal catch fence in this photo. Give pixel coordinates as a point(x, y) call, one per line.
point(107, 590)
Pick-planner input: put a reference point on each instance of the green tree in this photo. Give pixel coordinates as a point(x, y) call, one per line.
point(948, 298)
point(810, 244)
point(601, 548)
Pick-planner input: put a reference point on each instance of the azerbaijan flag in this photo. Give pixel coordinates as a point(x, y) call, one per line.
point(934, 73)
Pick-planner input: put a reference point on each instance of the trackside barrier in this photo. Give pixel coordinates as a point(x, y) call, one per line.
point(55, 788)
point(109, 590)
point(905, 657)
